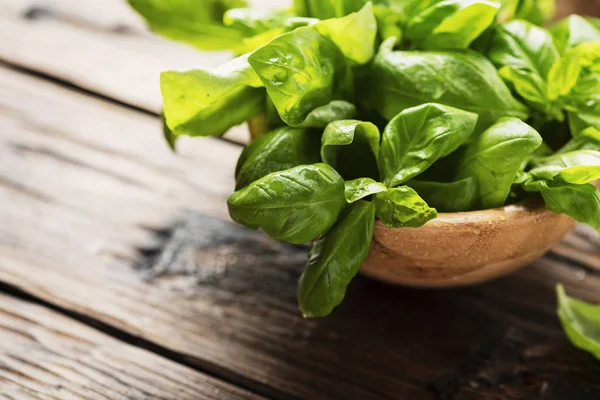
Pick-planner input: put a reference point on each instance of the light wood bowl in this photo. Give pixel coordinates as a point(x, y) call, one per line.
point(465, 248)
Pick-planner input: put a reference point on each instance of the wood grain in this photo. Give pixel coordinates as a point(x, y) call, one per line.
point(44, 355)
point(99, 218)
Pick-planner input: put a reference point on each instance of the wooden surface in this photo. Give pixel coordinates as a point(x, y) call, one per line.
point(102, 226)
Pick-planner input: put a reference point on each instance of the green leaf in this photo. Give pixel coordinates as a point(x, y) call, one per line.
point(580, 121)
point(354, 34)
point(351, 147)
point(402, 207)
point(580, 321)
point(295, 205)
point(508, 10)
point(302, 70)
point(579, 167)
point(362, 187)
point(203, 103)
point(448, 196)
point(572, 31)
point(536, 11)
point(325, 9)
point(334, 259)
point(588, 139)
point(416, 137)
point(279, 150)
point(168, 135)
point(397, 80)
point(451, 24)
point(580, 202)
point(252, 22)
point(574, 81)
point(198, 23)
point(321, 116)
point(524, 54)
point(495, 158)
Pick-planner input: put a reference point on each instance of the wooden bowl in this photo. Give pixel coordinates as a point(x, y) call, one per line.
point(465, 248)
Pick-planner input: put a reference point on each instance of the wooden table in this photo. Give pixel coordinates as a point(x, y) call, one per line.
point(121, 276)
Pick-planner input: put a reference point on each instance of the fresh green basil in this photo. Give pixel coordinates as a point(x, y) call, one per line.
point(524, 54)
point(295, 205)
point(302, 70)
point(326, 9)
point(397, 80)
point(200, 25)
point(334, 259)
point(279, 150)
point(360, 188)
point(579, 167)
point(580, 321)
point(588, 139)
point(402, 207)
point(357, 44)
point(572, 31)
point(418, 136)
point(507, 11)
point(580, 202)
point(203, 103)
point(448, 196)
point(351, 147)
point(495, 158)
point(451, 24)
point(536, 11)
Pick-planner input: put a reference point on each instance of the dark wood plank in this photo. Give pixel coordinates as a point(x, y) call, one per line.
point(99, 218)
point(44, 355)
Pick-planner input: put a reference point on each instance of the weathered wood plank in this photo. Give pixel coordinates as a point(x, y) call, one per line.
point(44, 355)
point(93, 219)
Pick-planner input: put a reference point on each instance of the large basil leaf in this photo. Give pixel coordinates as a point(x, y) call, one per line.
point(397, 80)
point(508, 10)
point(325, 9)
point(203, 103)
point(574, 81)
point(252, 22)
point(495, 158)
point(418, 136)
point(451, 24)
point(579, 167)
point(580, 202)
point(524, 54)
point(572, 31)
point(295, 205)
point(192, 22)
point(302, 70)
point(402, 207)
point(279, 150)
point(334, 259)
point(362, 187)
point(580, 321)
point(537, 11)
point(351, 147)
point(354, 34)
point(455, 196)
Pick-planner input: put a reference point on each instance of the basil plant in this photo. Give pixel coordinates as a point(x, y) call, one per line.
point(390, 110)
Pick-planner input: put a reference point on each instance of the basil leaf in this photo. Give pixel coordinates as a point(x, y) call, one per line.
point(579, 167)
point(448, 196)
point(418, 136)
point(537, 11)
point(362, 187)
point(574, 81)
point(508, 10)
point(295, 205)
point(588, 139)
point(397, 80)
point(199, 25)
point(580, 321)
point(580, 121)
point(203, 103)
point(354, 34)
point(495, 158)
point(451, 24)
point(170, 138)
point(351, 147)
point(302, 70)
point(279, 150)
point(524, 54)
point(334, 259)
point(402, 207)
point(252, 22)
point(325, 9)
point(580, 202)
point(572, 31)
point(333, 111)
